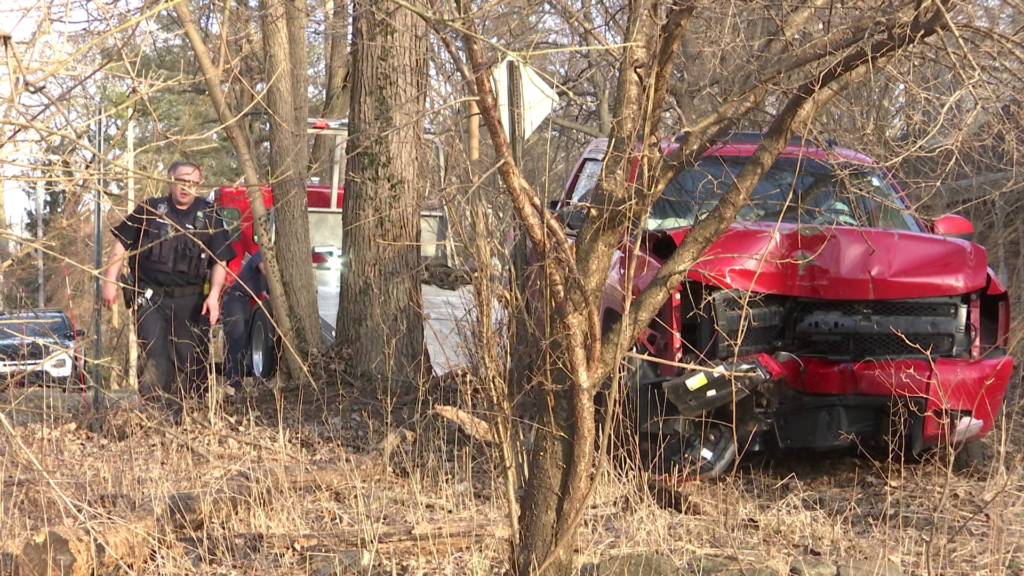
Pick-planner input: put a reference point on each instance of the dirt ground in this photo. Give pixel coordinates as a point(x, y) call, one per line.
point(423, 499)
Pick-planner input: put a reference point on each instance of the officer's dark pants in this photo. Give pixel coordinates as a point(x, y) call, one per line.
point(173, 335)
point(235, 312)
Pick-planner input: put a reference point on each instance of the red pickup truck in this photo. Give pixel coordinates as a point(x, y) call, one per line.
point(828, 315)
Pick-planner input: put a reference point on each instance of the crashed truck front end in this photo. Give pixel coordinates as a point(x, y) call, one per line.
point(812, 338)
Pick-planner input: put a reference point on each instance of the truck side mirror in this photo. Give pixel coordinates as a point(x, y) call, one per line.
point(79, 333)
point(574, 218)
point(953, 226)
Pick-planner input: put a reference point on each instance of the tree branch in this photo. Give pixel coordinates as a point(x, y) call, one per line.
point(282, 315)
point(800, 107)
point(576, 126)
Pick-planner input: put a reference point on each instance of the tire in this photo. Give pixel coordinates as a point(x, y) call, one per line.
point(626, 419)
point(697, 449)
point(974, 458)
point(263, 345)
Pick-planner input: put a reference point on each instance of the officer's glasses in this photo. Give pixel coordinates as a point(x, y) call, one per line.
point(186, 183)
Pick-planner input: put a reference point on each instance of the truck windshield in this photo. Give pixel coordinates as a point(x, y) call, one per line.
point(793, 190)
point(34, 328)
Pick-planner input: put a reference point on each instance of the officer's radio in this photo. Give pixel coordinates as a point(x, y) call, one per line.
point(128, 289)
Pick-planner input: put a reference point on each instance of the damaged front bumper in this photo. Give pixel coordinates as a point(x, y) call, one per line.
point(939, 393)
point(813, 403)
point(701, 390)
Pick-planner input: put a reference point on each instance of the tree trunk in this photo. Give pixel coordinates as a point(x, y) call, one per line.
point(295, 21)
point(336, 97)
point(241, 144)
point(542, 508)
point(285, 49)
point(102, 549)
point(379, 317)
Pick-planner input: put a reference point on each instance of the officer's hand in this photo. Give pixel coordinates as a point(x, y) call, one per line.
point(109, 293)
point(212, 305)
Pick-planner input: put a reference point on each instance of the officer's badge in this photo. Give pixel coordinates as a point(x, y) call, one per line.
point(162, 208)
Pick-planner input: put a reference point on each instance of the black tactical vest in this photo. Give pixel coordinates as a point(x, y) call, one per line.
point(172, 246)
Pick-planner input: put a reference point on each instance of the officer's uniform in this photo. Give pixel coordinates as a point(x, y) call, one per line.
point(170, 251)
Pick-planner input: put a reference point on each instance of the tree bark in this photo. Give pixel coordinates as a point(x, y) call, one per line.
point(336, 96)
point(295, 21)
point(239, 141)
point(379, 317)
point(285, 47)
point(100, 549)
point(542, 508)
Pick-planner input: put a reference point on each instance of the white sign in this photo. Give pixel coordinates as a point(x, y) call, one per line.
point(539, 98)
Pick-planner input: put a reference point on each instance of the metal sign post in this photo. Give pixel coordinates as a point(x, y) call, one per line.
point(524, 98)
point(98, 400)
point(39, 244)
point(515, 109)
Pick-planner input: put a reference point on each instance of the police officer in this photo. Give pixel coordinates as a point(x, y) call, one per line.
point(172, 242)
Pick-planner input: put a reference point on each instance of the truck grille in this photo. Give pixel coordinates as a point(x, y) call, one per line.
point(878, 346)
point(839, 330)
point(947, 308)
point(22, 351)
point(920, 328)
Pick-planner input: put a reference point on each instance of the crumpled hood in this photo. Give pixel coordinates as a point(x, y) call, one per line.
point(838, 262)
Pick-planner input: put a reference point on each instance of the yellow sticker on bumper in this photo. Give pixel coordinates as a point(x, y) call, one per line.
point(696, 381)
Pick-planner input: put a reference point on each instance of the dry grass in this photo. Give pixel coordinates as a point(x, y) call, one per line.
point(767, 513)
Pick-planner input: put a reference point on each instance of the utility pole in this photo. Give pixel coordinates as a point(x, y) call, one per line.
point(133, 341)
point(39, 244)
point(97, 388)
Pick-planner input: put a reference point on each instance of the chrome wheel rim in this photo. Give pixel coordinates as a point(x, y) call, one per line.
point(258, 349)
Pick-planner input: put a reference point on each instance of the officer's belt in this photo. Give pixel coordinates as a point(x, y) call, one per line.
point(174, 291)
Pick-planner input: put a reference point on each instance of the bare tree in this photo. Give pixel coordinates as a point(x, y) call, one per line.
point(336, 93)
point(261, 222)
point(572, 276)
point(283, 27)
point(380, 317)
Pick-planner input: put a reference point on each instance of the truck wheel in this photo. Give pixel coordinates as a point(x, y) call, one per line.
point(671, 448)
point(263, 350)
point(974, 458)
point(633, 408)
point(689, 449)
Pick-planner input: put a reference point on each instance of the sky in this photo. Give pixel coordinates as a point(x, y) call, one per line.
point(13, 21)
point(20, 19)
